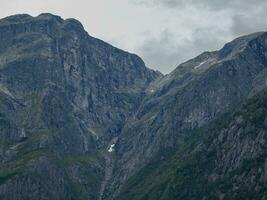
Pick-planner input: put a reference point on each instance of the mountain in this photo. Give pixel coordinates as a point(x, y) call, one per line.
point(64, 96)
point(224, 160)
point(81, 119)
point(193, 95)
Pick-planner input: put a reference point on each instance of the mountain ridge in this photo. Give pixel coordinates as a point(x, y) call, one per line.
point(81, 119)
point(64, 96)
point(191, 100)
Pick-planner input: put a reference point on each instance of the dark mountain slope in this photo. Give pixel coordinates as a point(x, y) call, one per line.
point(63, 96)
point(196, 93)
point(80, 119)
point(91, 70)
point(225, 159)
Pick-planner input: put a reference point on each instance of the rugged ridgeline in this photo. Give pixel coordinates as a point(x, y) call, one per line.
point(64, 96)
point(80, 119)
point(192, 96)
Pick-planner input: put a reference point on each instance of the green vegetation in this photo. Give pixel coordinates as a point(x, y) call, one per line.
point(192, 171)
point(88, 165)
point(19, 164)
point(93, 158)
point(6, 176)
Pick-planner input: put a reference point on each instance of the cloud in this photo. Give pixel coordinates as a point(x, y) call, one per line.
point(163, 32)
point(166, 52)
point(245, 23)
point(160, 52)
point(200, 26)
point(212, 4)
point(167, 3)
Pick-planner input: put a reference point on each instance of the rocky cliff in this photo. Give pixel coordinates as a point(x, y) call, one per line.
point(64, 96)
point(193, 95)
point(225, 159)
point(80, 119)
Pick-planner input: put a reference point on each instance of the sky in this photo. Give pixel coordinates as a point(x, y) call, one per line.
point(164, 33)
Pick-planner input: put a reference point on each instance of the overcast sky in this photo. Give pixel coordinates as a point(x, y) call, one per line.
point(163, 32)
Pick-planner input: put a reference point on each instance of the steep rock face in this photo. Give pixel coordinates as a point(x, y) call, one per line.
point(194, 94)
point(96, 75)
point(80, 119)
point(63, 96)
point(223, 160)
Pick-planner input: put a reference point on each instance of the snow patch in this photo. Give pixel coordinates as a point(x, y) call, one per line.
point(23, 134)
point(111, 148)
point(6, 91)
point(200, 65)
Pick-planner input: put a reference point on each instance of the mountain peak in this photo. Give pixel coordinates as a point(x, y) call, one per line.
point(49, 16)
point(16, 18)
point(237, 45)
point(73, 23)
point(26, 18)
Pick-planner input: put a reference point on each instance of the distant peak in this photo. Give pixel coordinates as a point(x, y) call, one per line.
point(68, 24)
point(238, 45)
point(49, 16)
point(17, 18)
point(74, 23)
point(20, 18)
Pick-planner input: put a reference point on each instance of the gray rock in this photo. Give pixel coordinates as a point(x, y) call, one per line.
point(66, 97)
point(63, 96)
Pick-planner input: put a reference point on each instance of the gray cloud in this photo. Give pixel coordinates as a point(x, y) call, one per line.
point(165, 53)
point(249, 22)
point(167, 3)
point(213, 4)
point(163, 32)
point(161, 53)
